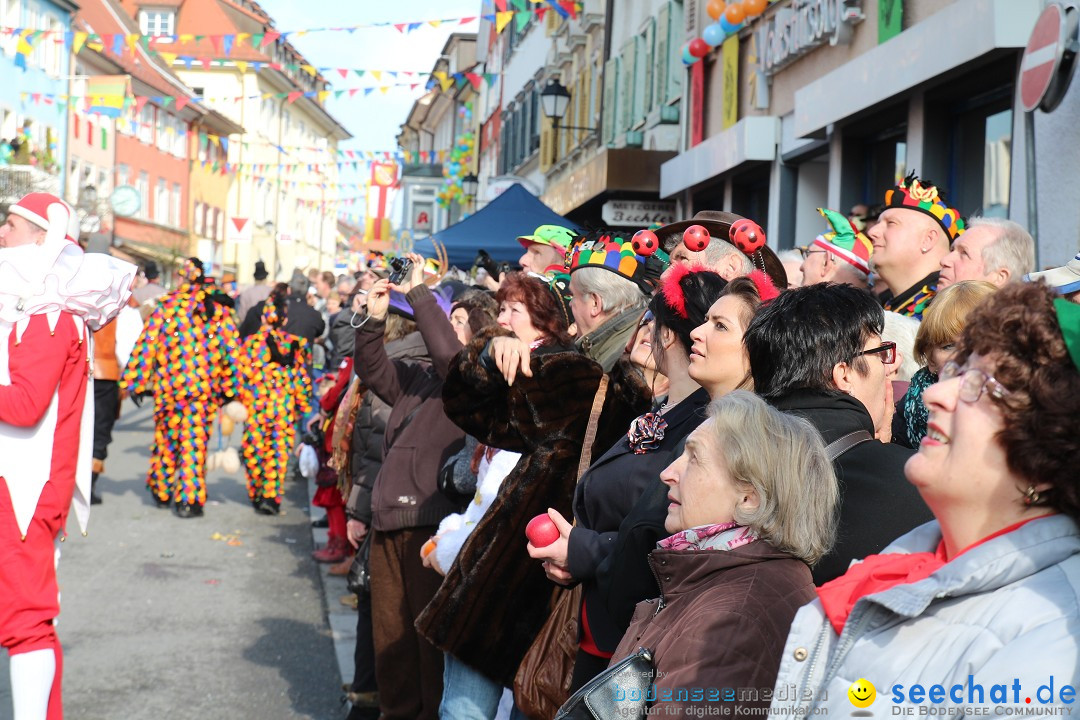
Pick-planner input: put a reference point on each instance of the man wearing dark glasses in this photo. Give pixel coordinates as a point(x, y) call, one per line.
point(817, 352)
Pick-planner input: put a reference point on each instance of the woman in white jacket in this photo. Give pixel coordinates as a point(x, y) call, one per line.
point(977, 610)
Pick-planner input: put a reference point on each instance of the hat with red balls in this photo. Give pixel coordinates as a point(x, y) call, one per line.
point(51, 214)
point(622, 256)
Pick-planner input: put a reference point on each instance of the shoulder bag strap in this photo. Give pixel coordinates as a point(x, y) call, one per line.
point(590, 431)
point(841, 445)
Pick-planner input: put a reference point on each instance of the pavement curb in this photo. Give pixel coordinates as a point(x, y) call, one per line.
point(341, 619)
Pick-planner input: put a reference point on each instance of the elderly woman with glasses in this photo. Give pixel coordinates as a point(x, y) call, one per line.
point(978, 607)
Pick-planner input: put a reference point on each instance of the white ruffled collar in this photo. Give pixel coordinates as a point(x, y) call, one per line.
point(59, 276)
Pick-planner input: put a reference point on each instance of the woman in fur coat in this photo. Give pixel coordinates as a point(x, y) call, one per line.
point(543, 414)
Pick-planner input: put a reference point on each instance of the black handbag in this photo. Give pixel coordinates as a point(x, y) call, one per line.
point(359, 578)
point(622, 692)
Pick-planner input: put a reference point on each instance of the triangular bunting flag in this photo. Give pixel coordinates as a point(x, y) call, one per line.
point(215, 41)
point(168, 57)
point(269, 38)
point(294, 96)
point(242, 65)
point(78, 41)
point(227, 43)
point(502, 20)
point(521, 19)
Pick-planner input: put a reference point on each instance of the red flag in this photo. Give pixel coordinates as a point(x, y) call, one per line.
point(269, 37)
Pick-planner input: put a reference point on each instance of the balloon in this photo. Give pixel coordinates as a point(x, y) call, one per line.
point(698, 48)
point(753, 8)
point(714, 35)
point(735, 14)
point(727, 27)
point(716, 8)
point(687, 58)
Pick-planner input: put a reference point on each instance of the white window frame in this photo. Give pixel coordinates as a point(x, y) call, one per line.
point(142, 184)
point(178, 205)
point(162, 203)
point(157, 21)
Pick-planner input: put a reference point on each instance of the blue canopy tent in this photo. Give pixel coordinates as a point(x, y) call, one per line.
point(495, 228)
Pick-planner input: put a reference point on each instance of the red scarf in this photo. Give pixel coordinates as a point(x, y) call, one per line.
point(881, 572)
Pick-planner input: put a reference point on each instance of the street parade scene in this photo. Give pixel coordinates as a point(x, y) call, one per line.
point(539, 359)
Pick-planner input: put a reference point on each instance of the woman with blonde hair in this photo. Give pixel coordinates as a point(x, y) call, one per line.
point(752, 506)
point(935, 343)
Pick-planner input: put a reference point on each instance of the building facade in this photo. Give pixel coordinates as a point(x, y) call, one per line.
point(827, 103)
point(282, 203)
point(33, 130)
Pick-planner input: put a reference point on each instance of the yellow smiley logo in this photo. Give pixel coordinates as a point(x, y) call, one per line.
point(862, 693)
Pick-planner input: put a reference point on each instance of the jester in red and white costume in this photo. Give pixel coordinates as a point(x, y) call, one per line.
point(52, 295)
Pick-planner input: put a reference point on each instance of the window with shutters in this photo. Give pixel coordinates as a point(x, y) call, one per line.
point(611, 95)
point(628, 91)
point(547, 145)
point(643, 73)
point(690, 12)
point(534, 126)
point(661, 58)
point(675, 71)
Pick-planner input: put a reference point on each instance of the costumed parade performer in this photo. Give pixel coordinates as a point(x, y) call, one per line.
point(52, 296)
point(275, 389)
point(185, 358)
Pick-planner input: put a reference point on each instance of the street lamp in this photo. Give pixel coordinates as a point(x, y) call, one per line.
point(470, 185)
point(554, 100)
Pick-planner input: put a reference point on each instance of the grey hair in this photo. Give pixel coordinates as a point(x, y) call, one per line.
point(901, 330)
point(1014, 248)
point(719, 249)
point(616, 293)
point(782, 457)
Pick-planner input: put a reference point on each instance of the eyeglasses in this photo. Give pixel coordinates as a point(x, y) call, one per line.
point(807, 252)
point(645, 319)
point(886, 350)
point(973, 382)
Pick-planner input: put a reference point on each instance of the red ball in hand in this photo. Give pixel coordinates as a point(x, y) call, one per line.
point(541, 531)
point(695, 238)
point(747, 235)
point(645, 242)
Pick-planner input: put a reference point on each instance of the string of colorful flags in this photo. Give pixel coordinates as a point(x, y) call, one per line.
point(504, 12)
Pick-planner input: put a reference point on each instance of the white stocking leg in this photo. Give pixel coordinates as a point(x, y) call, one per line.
point(32, 676)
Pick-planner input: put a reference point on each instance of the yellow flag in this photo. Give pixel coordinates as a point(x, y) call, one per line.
point(309, 69)
point(133, 42)
point(242, 65)
point(323, 94)
point(444, 81)
point(186, 38)
point(377, 74)
point(434, 23)
point(168, 57)
point(384, 89)
point(78, 41)
point(503, 19)
point(241, 37)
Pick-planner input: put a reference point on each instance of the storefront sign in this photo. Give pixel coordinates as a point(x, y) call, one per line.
point(890, 19)
point(637, 213)
point(800, 27)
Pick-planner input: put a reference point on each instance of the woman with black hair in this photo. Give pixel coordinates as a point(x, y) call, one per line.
point(612, 485)
point(276, 390)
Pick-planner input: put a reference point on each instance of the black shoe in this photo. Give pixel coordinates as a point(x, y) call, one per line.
point(184, 510)
point(323, 522)
point(95, 499)
point(161, 504)
point(267, 506)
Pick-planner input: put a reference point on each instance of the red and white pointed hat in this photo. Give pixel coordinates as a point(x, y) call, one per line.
point(51, 214)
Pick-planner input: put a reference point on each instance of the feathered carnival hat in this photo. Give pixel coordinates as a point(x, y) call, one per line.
point(845, 241)
point(620, 256)
point(922, 196)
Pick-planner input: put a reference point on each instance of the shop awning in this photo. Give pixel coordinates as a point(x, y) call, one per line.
point(494, 228)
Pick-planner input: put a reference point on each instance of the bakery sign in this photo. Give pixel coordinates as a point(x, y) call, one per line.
point(637, 213)
point(795, 29)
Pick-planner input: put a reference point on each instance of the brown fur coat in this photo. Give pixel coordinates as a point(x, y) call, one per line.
point(495, 598)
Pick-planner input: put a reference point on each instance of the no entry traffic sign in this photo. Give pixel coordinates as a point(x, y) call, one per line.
point(1049, 51)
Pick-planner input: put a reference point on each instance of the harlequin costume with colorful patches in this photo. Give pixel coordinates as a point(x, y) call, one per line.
point(185, 358)
point(275, 388)
point(52, 296)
